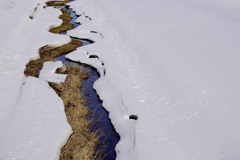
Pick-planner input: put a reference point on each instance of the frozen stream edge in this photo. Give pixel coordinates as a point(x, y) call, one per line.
point(123, 121)
point(33, 121)
point(108, 135)
point(47, 73)
point(40, 121)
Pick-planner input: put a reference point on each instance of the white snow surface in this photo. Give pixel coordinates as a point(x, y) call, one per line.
point(48, 72)
point(20, 40)
point(82, 19)
point(33, 123)
point(173, 63)
point(36, 125)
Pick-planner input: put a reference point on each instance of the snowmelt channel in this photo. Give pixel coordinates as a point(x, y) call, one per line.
point(101, 122)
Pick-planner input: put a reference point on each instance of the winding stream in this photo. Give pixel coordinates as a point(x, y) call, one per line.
point(108, 137)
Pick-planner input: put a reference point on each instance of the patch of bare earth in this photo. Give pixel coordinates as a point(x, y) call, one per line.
point(57, 3)
point(82, 143)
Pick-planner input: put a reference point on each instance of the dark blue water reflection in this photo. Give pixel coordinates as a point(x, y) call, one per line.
point(108, 137)
point(102, 124)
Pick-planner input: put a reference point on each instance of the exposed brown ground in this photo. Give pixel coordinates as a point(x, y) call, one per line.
point(48, 54)
point(57, 3)
point(82, 143)
point(66, 25)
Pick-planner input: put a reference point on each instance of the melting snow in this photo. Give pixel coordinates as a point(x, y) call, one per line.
point(181, 58)
point(48, 72)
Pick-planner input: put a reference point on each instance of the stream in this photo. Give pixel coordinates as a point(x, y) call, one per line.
point(108, 137)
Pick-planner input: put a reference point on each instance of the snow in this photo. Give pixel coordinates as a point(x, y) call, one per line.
point(174, 64)
point(85, 34)
point(84, 57)
point(35, 124)
point(20, 40)
point(83, 19)
point(48, 72)
point(27, 128)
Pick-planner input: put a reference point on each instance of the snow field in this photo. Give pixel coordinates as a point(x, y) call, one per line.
point(175, 65)
point(172, 63)
point(37, 127)
point(33, 123)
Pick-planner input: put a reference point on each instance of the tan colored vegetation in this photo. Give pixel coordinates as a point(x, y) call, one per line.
point(65, 15)
point(35, 9)
point(34, 66)
point(58, 51)
point(57, 3)
point(66, 25)
point(48, 54)
point(82, 143)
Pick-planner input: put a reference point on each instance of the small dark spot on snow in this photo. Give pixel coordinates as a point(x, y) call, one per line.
point(67, 6)
point(93, 56)
point(89, 18)
point(135, 117)
point(104, 72)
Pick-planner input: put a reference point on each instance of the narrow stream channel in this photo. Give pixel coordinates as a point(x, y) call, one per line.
point(108, 137)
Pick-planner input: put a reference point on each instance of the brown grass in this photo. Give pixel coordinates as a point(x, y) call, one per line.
point(82, 143)
point(66, 25)
point(58, 51)
point(65, 15)
point(48, 53)
point(35, 9)
point(62, 28)
point(34, 65)
point(57, 3)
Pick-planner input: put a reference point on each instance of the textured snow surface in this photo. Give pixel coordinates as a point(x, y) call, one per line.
point(48, 72)
point(36, 125)
point(173, 63)
point(20, 40)
point(33, 123)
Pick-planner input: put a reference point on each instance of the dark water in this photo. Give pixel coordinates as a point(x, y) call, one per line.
point(108, 135)
point(101, 123)
point(73, 15)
